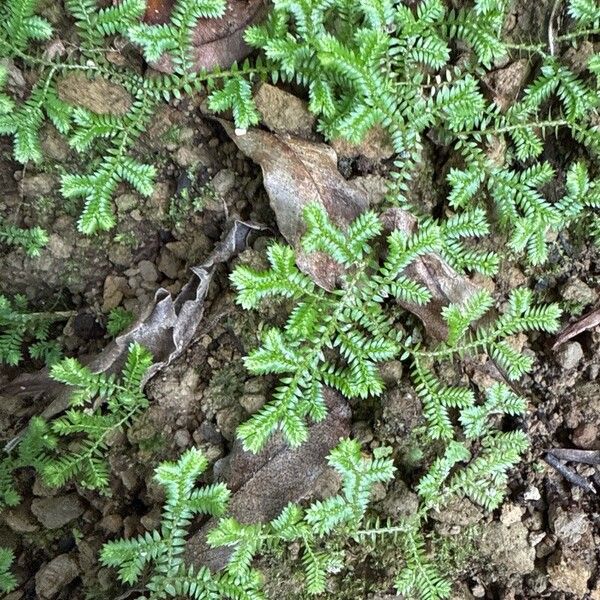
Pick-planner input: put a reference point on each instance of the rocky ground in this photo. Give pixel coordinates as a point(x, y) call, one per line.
point(543, 543)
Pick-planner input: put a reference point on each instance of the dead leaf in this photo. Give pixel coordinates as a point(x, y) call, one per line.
point(165, 328)
point(590, 321)
point(263, 484)
point(216, 42)
point(297, 172)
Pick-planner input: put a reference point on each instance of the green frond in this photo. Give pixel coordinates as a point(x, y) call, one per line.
point(8, 582)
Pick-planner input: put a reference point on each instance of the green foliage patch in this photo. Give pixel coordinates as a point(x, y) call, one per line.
point(163, 549)
point(73, 446)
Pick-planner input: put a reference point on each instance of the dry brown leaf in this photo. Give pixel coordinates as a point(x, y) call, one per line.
point(263, 484)
point(297, 172)
point(165, 328)
point(216, 42)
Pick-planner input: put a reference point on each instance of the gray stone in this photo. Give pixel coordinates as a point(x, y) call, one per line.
point(253, 402)
point(569, 355)
point(57, 574)
point(190, 157)
point(283, 112)
point(391, 372)
point(126, 202)
point(148, 271)
point(41, 184)
point(58, 247)
point(570, 526)
point(168, 264)
point(375, 146)
point(57, 511)
point(507, 548)
point(182, 438)
point(98, 95)
point(19, 519)
point(54, 145)
point(111, 523)
point(113, 292)
point(578, 292)
point(569, 575)
point(223, 182)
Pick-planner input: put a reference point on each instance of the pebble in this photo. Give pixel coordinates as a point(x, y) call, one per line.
point(54, 512)
point(111, 523)
point(19, 520)
point(391, 372)
point(182, 438)
point(570, 526)
point(168, 264)
point(53, 577)
point(253, 402)
point(148, 271)
point(532, 493)
point(223, 182)
point(41, 184)
point(577, 291)
point(569, 355)
point(113, 292)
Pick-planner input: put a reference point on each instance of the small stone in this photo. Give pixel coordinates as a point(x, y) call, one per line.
point(228, 420)
point(570, 576)
point(508, 548)
point(391, 372)
point(98, 95)
point(41, 184)
point(41, 489)
point(569, 355)
point(511, 513)
point(283, 112)
point(151, 521)
point(129, 477)
point(57, 574)
point(126, 202)
point(19, 519)
point(148, 271)
point(507, 82)
point(586, 436)
point(168, 264)
point(113, 292)
point(578, 292)
point(253, 402)
point(57, 511)
point(54, 145)
point(58, 246)
point(180, 249)
point(111, 523)
point(373, 187)
point(223, 182)
point(570, 526)
point(207, 432)
point(478, 591)
point(532, 493)
point(182, 438)
point(120, 255)
point(375, 146)
point(190, 157)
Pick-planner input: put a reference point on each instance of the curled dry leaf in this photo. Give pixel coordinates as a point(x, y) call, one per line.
point(165, 328)
point(263, 484)
point(297, 172)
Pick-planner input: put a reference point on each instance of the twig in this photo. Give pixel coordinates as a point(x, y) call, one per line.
point(569, 474)
point(590, 321)
point(587, 457)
